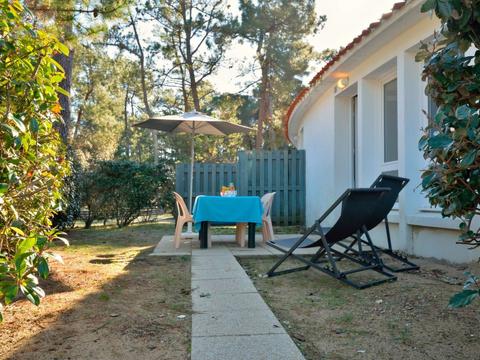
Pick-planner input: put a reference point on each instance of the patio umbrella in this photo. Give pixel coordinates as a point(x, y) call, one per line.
point(193, 123)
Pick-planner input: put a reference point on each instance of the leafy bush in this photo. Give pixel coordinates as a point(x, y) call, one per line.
point(451, 142)
point(65, 217)
point(468, 294)
point(32, 156)
point(122, 189)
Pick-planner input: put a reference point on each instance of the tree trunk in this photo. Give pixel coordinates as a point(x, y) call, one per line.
point(80, 112)
point(148, 110)
point(264, 105)
point(67, 64)
point(187, 21)
point(125, 120)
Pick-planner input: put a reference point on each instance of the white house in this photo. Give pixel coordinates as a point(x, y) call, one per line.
point(360, 116)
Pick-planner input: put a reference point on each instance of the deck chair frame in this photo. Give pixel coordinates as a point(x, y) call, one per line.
point(358, 241)
point(325, 259)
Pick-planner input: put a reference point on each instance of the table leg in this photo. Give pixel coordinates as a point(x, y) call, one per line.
point(204, 235)
point(251, 235)
point(240, 234)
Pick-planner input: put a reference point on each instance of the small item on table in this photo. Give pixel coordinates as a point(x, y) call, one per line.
point(228, 191)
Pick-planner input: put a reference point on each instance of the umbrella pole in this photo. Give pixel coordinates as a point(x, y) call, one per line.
point(190, 191)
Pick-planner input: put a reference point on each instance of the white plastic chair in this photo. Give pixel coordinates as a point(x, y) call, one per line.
point(267, 227)
point(183, 218)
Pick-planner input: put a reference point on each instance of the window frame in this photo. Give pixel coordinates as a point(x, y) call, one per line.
point(390, 165)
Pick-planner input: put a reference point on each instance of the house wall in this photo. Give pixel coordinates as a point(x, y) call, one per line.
point(318, 132)
point(326, 136)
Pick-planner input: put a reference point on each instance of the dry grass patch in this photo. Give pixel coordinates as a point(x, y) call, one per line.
point(110, 300)
point(406, 319)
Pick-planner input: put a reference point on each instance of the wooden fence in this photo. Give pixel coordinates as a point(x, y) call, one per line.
point(255, 173)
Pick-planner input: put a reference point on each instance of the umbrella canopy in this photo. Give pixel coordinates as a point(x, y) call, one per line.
point(192, 122)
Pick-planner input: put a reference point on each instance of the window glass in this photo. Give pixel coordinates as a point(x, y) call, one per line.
point(390, 121)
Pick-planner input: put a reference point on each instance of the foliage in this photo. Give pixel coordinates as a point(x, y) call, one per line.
point(69, 209)
point(282, 55)
point(451, 142)
point(122, 189)
point(193, 38)
point(99, 105)
point(32, 156)
point(468, 294)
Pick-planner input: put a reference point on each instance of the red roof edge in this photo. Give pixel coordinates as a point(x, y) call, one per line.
point(300, 96)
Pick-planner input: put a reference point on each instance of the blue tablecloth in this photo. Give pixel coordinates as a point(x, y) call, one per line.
point(218, 209)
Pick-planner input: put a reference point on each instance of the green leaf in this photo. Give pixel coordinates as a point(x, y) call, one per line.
point(445, 8)
point(427, 179)
point(20, 263)
point(34, 125)
point(10, 129)
point(25, 245)
point(41, 241)
point(62, 91)
point(469, 158)
point(55, 257)
point(62, 239)
point(63, 49)
point(463, 298)
point(31, 295)
point(18, 122)
point(17, 230)
point(43, 269)
point(428, 5)
point(462, 112)
point(9, 292)
point(439, 141)
point(3, 188)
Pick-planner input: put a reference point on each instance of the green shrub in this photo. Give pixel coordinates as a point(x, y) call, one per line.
point(32, 156)
point(451, 143)
point(122, 189)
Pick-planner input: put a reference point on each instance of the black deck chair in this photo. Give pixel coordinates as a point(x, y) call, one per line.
point(396, 184)
point(357, 208)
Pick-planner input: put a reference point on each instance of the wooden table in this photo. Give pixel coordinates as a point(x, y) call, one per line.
point(217, 210)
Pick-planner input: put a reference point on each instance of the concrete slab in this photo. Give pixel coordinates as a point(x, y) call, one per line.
point(216, 251)
point(210, 274)
point(220, 245)
point(258, 251)
point(253, 347)
point(223, 286)
point(231, 320)
point(217, 262)
point(166, 247)
point(228, 302)
point(241, 322)
point(214, 261)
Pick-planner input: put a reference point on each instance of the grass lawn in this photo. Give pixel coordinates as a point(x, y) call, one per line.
point(407, 319)
point(110, 300)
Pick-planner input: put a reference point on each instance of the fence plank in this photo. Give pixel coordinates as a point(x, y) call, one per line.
point(255, 173)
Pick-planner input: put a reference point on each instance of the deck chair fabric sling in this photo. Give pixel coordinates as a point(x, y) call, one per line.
point(396, 184)
point(357, 207)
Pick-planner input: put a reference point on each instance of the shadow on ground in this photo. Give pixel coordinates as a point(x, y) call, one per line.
point(106, 305)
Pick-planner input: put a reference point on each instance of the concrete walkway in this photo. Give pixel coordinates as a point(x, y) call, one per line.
point(231, 321)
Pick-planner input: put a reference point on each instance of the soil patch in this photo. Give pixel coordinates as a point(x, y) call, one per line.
point(110, 300)
point(406, 319)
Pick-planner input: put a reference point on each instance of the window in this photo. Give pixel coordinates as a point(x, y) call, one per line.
point(390, 122)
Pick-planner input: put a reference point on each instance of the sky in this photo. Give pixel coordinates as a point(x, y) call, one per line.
point(345, 20)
